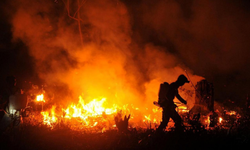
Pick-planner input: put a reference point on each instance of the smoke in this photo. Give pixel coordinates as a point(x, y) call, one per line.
point(111, 61)
point(210, 37)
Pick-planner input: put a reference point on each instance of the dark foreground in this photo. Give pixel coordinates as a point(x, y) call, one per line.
point(32, 137)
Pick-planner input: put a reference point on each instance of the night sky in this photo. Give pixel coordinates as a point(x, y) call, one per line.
point(211, 38)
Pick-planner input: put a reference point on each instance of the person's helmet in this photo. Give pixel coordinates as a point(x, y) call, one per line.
point(182, 79)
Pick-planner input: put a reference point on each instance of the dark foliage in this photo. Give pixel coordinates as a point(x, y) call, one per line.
point(34, 137)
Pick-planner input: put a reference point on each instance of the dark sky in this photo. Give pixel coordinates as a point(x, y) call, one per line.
point(209, 37)
point(212, 38)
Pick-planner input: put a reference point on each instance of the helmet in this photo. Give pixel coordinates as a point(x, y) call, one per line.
point(182, 79)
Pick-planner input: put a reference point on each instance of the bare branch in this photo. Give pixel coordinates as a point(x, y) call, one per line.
point(78, 19)
point(68, 11)
point(83, 2)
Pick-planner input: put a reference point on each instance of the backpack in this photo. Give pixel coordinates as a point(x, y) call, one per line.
point(163, 91)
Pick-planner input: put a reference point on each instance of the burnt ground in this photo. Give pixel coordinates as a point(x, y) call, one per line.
point(33, 137)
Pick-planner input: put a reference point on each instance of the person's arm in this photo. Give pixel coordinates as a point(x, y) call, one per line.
point(181, 99)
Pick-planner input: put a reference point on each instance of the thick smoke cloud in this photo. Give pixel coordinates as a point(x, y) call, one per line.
point(114, 61)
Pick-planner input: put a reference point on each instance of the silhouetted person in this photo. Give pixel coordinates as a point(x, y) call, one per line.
point(169, 106)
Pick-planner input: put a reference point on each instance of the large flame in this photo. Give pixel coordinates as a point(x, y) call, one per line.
point(98, 116)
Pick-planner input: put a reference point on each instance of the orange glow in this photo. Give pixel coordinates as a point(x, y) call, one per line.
point(208, 120)
point(231, 113)
point(49, 118)
point(91, 113)
point(182, 109)
point(40, 98)
point(97, 116)
point(113, 73)
point(220, 120)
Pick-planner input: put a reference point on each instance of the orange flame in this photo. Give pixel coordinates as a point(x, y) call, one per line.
point(231, 113)
point(89, 114)
point(220, 120)
point(49, 117)
point(96, 115)
point(40, 98)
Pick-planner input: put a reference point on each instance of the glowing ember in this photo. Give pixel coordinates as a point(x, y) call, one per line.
point(40, 98)
point(220, 120)
point(182, 109)
point(208, 120)
point(231, 113)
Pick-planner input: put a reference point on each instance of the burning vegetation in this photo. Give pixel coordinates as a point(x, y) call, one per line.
point(36, 112)
point(45, 123)
point(94, 115)
point(97, 115)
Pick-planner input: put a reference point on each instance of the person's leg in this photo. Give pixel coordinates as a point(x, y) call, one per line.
point(177, 119)
point(165, 120)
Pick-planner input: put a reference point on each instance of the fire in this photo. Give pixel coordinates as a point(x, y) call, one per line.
point(208, 120)
point(49, 117)
point(89, 114)
point(40, 98)
point(147, 118)
point(231, 113)
point(98, 115)
point(182, 109)
point(220, 120)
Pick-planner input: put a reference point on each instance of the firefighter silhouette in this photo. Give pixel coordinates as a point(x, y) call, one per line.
point(167, 94)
